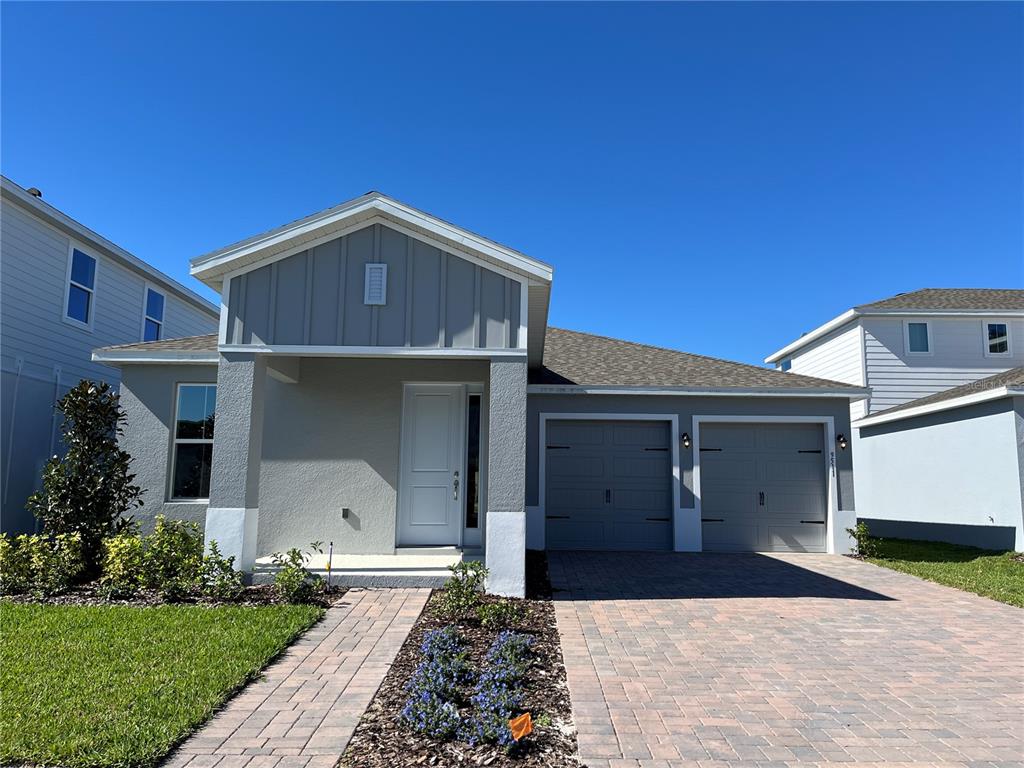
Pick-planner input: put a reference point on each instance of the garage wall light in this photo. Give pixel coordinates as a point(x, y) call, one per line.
point(686, 439)
point(841, 439)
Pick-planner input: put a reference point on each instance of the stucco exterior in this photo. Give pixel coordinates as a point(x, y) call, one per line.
point(955, 475)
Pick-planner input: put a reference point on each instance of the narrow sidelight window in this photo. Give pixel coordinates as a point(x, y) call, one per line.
point(153, 324)
point(81, 287)
point(473, 461)
point(918, 340)
point(997, 339)
point(193, 441)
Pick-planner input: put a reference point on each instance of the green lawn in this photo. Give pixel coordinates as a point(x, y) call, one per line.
point(992, 574)
point(119, 685)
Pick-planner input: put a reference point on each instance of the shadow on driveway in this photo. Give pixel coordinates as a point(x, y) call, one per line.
point(654, 575)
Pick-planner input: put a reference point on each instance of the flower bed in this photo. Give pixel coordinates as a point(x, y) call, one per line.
point(458, 680)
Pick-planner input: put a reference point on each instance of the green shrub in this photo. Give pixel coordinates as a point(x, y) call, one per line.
point(218, 579)
point(39, 564)
point(499, 615)
point(292, 582)
point(89, 490)
point(124, 566)
point(866, 545)
point(461, 594)
point(173, 557)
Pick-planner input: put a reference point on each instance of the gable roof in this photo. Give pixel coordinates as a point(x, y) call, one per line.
point(992, 299)
point(88, 238)
point(1005, 384)
point(940, 301)
point(582, 360)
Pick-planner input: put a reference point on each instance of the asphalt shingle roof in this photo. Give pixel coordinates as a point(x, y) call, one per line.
point(952, 298)
point(1011, 378)
point(575, 358)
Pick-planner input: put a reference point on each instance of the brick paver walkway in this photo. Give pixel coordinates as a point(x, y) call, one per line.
point(303, 711)
point(725, 660)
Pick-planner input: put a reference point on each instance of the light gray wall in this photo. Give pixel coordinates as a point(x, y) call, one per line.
point(147, 395)
point(434, 299)
point(961, 467)
point(41, 356)
point(685, 408)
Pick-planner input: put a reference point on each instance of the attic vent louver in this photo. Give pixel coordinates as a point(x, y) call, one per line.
point(376, 286)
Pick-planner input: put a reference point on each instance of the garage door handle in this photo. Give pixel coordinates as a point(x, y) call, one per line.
point(656, 519)
point(813, 522)
point(557, 517)
point(712, 519)
point(760, 498)
point(607, 495)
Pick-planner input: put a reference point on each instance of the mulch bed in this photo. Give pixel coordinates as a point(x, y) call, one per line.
point(382, 741)
point(89, 594)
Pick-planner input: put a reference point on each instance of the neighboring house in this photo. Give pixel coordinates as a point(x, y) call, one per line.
point(948, 467)
point(65, 291)
point(386, 380)
point(938, 429)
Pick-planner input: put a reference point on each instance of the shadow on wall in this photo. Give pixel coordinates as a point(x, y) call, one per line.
point(654, 575)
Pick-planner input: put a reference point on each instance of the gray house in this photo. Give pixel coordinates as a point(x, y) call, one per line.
point(388, 381)
point(64, 290)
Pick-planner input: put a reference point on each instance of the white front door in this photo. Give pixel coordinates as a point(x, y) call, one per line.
point(431, 483)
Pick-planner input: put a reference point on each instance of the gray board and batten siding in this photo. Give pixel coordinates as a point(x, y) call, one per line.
point(316, 297)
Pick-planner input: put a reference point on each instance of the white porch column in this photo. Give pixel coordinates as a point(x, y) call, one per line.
point(505, 550)
point(233, 514)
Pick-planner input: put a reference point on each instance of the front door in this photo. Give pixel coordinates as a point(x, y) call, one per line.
point(431, 480)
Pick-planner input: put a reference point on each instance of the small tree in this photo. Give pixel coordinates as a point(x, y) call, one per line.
point(90, 490)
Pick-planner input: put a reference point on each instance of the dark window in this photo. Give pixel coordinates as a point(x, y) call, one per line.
point(786, 365)
point(998, 339)
point(917, 337)
point(152, 329)
point(81, 288)
point(193, 441)
point(473, 462)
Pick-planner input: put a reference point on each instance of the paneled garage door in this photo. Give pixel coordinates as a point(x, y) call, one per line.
point(608, 485)
point(762, 487)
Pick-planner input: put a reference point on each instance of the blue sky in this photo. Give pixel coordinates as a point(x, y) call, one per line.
point(711, 177)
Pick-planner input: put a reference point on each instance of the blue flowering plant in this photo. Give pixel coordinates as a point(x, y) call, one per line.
point(498, 692)
point(443, 667)
point(427, 713)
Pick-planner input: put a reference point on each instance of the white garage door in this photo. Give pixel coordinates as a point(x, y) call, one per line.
point(762, 487)
point(608, 485)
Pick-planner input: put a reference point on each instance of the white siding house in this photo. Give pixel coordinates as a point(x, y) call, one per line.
point(907, 350)
point(65, 290)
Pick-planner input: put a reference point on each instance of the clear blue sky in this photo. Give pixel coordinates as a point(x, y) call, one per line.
point(712, 177)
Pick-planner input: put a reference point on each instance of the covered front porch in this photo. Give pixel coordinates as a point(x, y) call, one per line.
point(406, 465)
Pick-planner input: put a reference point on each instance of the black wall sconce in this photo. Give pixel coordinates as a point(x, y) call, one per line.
point(841, 439)
point(686, 439)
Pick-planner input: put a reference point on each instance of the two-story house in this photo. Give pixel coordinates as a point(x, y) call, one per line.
point(65, 290)
point(938, 444)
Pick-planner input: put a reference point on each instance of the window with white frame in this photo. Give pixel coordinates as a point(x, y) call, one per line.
point(786, 365)
point(193, 441)
point(153, 322)
point(918, 337)
point(997, 339)
point(81, 287)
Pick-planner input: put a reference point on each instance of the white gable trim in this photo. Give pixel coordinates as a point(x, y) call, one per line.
point(382, 210)
point(943, 405)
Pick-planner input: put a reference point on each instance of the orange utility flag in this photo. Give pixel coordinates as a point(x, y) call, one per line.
point(521, 726)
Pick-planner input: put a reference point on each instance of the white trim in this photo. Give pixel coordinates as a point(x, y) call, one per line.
point(985, 341)
point(68, 227)
point(677, 476)
point(371, 351)
point(147, 287)
point(368, 269)
point(147, 356)
point(851, 393)
point(943, 405)
point(821, 330)
point(828, 422)
point(175, 441)
point(379, 204)
point(72, 321)
point(928, 334)
point(222, 321)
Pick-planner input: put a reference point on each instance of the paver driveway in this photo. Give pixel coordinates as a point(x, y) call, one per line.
point(704, 659)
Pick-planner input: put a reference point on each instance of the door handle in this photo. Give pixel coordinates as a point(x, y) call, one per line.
point(760, 498)
point(455, 486)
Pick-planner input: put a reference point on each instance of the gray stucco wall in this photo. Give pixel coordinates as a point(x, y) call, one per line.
point(434, 298)
point(686, 408)
point(960, 467)
point(147, 395)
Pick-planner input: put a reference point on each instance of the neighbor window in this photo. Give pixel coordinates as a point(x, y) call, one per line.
point(786, 365)
point(997, 338)
point(81, 287)
point(153, 324)
point(918, 340)
point(193, 441)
